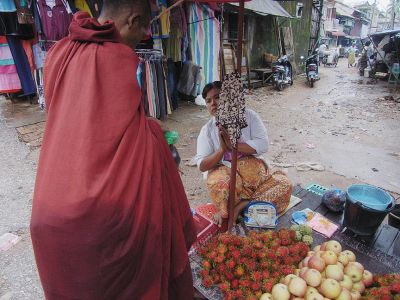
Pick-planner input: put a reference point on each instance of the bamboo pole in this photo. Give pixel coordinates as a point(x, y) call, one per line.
point(232, 187)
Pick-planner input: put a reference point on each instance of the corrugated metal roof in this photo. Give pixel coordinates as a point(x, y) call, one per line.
point(266, 7)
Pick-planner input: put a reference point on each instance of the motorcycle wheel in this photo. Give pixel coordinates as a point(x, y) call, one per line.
point(280, 86)
point(312, 82)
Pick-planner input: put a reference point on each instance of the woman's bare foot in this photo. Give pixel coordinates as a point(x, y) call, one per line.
point(239, 208)
point(217, 218)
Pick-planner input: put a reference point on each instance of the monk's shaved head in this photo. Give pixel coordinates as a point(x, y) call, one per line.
point(115, 7)
point(131, 17)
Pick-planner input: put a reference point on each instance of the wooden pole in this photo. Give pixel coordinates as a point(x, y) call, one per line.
point(167, 10)
point(232, 187)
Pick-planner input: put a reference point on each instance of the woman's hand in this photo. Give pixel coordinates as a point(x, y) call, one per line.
point(224, 139)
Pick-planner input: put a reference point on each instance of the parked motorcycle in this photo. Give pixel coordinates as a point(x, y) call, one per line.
point(282, 73)
point(311, 69)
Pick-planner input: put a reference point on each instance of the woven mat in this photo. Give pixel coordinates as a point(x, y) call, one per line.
point(293, 202)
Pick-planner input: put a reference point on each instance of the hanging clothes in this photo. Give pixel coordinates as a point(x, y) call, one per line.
point(27, 45)
point(38, 23)
point(9, 80)
point(155, 88)
point(189, 78)
point(161, 27)
point(39, 56)
point(71, 4)
point(7, 6)
point(55, 16)
point(171, 81)
point(205, 42)
point(22, 64)
point(174, 45)
point(9, 26)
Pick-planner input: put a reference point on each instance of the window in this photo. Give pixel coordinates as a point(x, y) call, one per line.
point(299, 10)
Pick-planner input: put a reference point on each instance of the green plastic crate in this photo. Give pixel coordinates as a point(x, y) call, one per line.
point(317, 189)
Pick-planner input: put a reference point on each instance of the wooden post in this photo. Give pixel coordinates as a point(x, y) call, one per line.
point(232, 187)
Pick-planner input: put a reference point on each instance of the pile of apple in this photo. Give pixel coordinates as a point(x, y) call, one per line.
point(326, 273)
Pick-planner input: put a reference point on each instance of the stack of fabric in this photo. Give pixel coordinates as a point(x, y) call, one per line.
point(9, 80)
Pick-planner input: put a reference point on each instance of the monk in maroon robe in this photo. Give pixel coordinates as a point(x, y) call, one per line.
point(110, 216)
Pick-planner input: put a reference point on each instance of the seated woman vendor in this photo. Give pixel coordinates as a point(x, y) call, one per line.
point(255, 182)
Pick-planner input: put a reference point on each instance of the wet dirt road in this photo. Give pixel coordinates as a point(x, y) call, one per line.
point(348, 126)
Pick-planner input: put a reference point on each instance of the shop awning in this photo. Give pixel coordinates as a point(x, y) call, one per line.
point(266, 7)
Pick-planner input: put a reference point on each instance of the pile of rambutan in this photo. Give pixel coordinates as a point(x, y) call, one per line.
point(245, 267)
point(384, 287)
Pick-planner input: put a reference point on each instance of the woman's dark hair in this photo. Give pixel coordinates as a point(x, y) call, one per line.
point(210, 86)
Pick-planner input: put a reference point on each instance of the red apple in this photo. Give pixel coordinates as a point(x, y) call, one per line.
point(346, 283)
point(334, 272)
point(333, 246)
point(280, 292)
point(266, 296)
point(355, 295)
point(344, 295)
point(330, 288)
point(316, 262)
point(312, 277)
point(303, 272)
point(368, 278)
point(317, 248)
point(305, 262)
point(313, 294)
point(323, 246)
point(310, 253)
point(359, 286)
point(288, 278)
point(350, 255)
point(353, 272)
point(358, 265)
point(298, 287)
point(343, 258)
point(329, 257)
point(339, 264)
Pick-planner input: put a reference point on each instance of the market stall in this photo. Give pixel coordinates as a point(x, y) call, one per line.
point(387, 47)
point(263, 262)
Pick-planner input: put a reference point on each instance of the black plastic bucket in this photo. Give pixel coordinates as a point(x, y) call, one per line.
point(394, 217)
point(363, 220)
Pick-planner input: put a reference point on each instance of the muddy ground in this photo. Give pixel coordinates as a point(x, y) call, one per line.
point(347, 124)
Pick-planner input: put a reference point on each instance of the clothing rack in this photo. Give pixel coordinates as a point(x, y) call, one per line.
point(47, 41)
point(153, 82)
point(151, 54)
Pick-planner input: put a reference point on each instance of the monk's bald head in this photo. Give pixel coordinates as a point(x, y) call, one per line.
point(117, 6)
point(131, 17)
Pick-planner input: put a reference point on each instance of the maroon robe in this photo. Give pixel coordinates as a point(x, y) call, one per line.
point(110, 216)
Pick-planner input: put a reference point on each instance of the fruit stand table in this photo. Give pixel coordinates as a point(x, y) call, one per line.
point(379, 253)
point(265, 74)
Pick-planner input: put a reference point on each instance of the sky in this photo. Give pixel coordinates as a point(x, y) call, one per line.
point(382, 4)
